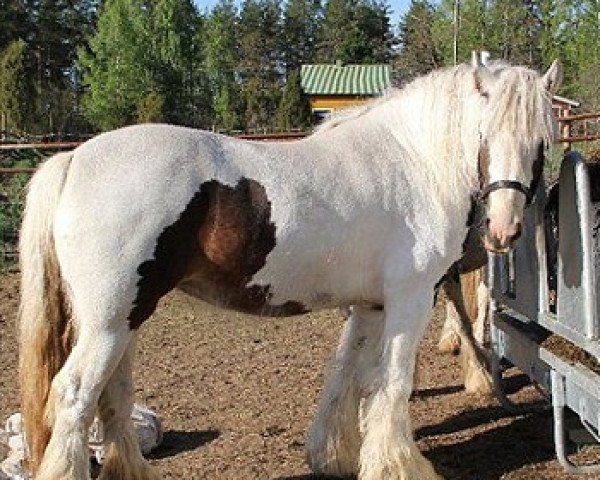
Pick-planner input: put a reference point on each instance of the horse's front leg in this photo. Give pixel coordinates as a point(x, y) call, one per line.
point(388, 450)
point(334, 438)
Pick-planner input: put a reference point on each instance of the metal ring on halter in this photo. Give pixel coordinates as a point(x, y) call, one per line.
point(511, 184)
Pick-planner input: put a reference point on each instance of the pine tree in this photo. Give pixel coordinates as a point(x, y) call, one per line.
point(514, 31)
point(300, 29)
point(60, 27)
point(584, 55)
point(15, 21)
point(355, 32)
point(117, 71)
point(260, 61)
point(220, 56)
point(474, 29)
point(12, 94)
point(294, 109)
point(419, 52)
point(174, 27)
point(373, 19)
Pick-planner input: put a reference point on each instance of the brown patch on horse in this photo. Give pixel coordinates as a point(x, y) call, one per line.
point(212, 251)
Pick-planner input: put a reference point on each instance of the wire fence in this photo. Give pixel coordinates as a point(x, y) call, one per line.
point(19, 158)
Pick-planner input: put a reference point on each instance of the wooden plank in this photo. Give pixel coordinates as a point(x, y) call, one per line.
point(575, 138)
point(580, 116)
point(40, 146)
point(14, 171)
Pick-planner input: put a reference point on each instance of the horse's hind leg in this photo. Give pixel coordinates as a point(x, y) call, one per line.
point(74, 397)
point(334, 441)
point(123, 460)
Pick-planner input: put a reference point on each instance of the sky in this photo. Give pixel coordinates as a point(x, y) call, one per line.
point(398, 7)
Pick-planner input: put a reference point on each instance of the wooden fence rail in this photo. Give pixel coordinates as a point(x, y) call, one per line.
point(583, 127)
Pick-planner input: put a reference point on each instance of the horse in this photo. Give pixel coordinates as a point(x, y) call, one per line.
point(463, 331)
point(370, 211)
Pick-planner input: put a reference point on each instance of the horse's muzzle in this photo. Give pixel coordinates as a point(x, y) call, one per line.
point(501, 241)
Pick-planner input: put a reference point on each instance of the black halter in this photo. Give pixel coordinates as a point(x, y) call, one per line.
point(528, 191)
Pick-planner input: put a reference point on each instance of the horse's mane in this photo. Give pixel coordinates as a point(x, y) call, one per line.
point(521, 103)
point(341, 116)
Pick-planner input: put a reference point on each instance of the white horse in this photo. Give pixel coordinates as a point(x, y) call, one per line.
point(370, 211)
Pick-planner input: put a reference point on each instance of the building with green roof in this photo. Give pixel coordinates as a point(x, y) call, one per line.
point(331, 87)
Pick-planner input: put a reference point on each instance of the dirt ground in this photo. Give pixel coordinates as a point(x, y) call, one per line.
point(236, 394)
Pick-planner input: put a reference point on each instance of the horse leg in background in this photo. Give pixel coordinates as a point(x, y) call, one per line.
point(462, 293)
point(123, 460)
point(389, 451)
point(449, 338)
point(334, 438)
point(483, 302)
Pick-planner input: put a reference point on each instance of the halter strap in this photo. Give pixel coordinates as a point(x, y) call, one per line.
point(510, 184)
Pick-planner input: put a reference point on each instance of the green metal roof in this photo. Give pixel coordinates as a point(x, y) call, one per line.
point(332, 79)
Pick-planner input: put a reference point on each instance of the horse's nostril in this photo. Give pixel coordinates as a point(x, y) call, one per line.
point(487, 223)
point(518, 232)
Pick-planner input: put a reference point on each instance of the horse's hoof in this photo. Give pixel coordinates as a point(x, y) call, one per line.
point(449, 343)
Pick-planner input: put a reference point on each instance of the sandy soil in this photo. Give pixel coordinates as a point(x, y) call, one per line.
point(236, 394)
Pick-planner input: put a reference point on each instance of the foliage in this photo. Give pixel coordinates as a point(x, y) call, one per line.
point(151, 109)
point(82, 64)
point(12, 93)
point(176, 60)
point(12, 199)
point(221, 57)
point(294, 109)
point(355, 32)
point(301, 21)
point(419, 52)
point(117, 71)
point(259, 37)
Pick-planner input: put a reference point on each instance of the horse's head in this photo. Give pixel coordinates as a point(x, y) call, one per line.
point(516, 128)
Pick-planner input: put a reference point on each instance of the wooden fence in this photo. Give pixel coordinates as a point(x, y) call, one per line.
point(583, 127)
point(573, 128)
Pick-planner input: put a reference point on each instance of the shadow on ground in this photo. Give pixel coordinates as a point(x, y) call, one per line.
point(176, 441)
point(497, 445)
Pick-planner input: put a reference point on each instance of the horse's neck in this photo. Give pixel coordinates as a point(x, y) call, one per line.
point(399, 137)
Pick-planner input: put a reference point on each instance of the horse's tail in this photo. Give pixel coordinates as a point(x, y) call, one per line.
point(45, 327)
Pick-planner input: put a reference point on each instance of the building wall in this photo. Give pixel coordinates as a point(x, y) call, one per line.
point(335, 102)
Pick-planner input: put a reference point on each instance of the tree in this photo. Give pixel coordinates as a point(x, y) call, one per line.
point(220, 57)
point(60, 27)
point(174, 30)
point(260, 60)
point(355, 32)
point(294, 109)
point(419, 52)
point(117, 70)
point(514, 31)
point(373, 20)
point(15, 22)
point(300, 29)
point(12, 93)
point(583, 52)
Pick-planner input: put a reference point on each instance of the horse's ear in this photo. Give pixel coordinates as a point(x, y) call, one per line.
point(553, 77)
point(476, 59)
